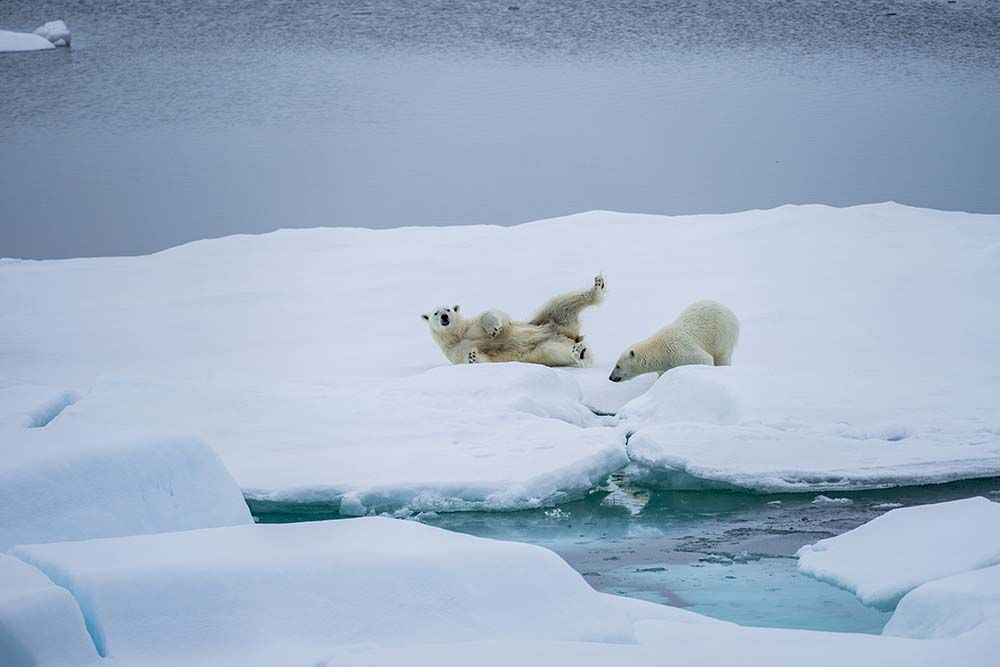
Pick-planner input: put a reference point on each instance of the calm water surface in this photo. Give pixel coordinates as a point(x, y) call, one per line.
point(726, 555)
point(171, 120)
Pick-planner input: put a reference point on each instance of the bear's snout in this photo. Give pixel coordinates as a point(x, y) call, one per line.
point(444, 320)
point(613, 378)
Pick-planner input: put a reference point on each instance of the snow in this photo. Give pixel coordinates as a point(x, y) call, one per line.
point(784, 431)
point(304, 593)
point(950, 607)
point(68, 486)
point(22, 41)
point(32, 406)
point(40, 623)
point(301, 358)
point(56, 32)
point(891, 555)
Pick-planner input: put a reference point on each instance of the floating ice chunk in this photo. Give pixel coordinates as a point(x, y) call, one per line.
point(886, 506)
point(54, 31)
point(774, 431)
point(950, 607)
point(826, 500)
point(295, 593)
point(40, 622)
point(56, 486)
point(22, 41)
point(891, 555)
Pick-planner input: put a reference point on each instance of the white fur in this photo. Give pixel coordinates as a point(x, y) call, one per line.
point(704, 333)
point(552, 337)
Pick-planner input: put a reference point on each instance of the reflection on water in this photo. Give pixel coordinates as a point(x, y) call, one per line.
point(171, 120)
point(727, 555)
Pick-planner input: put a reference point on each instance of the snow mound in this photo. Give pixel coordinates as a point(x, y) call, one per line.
point(40, 623)
point(300, 593)
point(950, 607)
point(888, 557)
point(22, 41)
point(788, 431)
point(32, 406)
point(492, 437)
point(54, 31)
point(56, 486)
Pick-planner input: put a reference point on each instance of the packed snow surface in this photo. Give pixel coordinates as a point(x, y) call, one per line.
point(302, 593)
point(57, 485)
point(300, 356)
point(22, 41)
point(40, 622)
point(32, 406)
point(895, 553)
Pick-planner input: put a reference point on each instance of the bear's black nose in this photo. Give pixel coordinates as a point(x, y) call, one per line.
point(444, 320)
point(613, 378)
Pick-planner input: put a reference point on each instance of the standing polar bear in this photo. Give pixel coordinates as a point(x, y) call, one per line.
point(552, 337)
point(704, 333)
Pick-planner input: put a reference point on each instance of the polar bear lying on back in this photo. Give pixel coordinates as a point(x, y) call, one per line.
point(552, 337)
point(705, 333)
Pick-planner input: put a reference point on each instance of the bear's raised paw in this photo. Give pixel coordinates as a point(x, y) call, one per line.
point(472, 357)
point(599, 284)
point(580, 354)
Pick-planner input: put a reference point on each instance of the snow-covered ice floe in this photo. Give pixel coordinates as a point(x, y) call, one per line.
point(305, 593)
point(56, 486)
point(506, 437)
point(773, 431)
point(867, 355)
point(891, 555)
point(951, 607)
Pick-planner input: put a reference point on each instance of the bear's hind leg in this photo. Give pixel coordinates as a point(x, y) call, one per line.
point(563, 311)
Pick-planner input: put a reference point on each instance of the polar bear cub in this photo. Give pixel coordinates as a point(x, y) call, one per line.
point(552, 337)
point(704, 333)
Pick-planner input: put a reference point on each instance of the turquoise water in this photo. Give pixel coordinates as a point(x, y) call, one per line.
point(723, 554)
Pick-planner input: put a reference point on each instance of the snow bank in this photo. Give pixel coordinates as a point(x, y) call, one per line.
point(950, 607)
point(891, 555)
point(32, 406)
point(22, 41)
point(775, 431)
point(274, 349)
point(300, 593)
point(40, 623)
point(56, 486)
point(504, 437)
point(56, 32)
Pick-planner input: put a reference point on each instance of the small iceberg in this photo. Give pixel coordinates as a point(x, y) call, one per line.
point(48, 36)
point(54, 31)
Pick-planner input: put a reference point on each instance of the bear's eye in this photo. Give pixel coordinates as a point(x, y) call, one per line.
point(631, 353)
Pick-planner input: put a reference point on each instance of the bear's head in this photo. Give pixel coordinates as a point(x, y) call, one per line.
point(626, 368)
point(442, 318)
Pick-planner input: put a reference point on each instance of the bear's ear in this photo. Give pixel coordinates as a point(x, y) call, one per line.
point(456, 309)
point(631, 353)
point(426, 317)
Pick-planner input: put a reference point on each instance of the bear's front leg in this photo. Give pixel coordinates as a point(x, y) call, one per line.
point(493, 322)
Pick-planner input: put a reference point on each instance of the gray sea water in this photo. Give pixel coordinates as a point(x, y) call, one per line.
point(173, 120)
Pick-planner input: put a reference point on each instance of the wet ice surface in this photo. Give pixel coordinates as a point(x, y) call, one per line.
point(726, 555)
